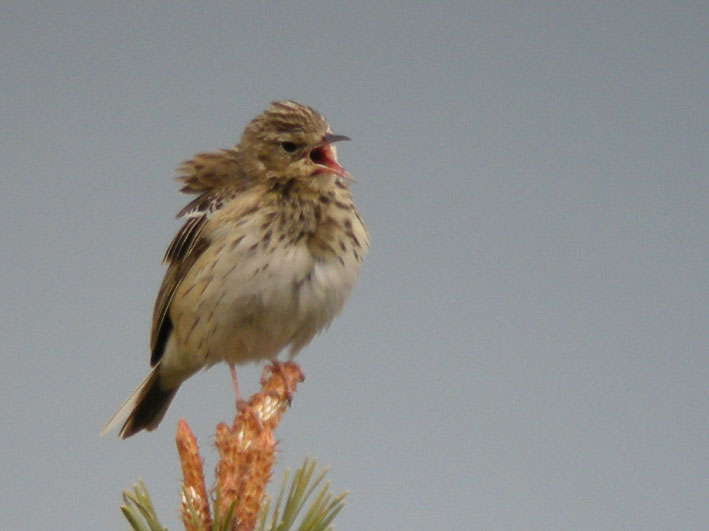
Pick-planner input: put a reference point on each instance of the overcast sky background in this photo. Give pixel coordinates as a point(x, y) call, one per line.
point(528, 343)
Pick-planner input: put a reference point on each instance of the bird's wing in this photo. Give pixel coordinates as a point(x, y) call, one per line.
point(186, 247)
point(216, 177)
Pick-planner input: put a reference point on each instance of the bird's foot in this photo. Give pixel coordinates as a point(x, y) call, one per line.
point(281, 368)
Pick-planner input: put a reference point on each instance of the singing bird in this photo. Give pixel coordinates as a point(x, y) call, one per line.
point(268, 255)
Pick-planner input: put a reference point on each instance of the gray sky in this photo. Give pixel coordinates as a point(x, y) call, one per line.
point(528, 343)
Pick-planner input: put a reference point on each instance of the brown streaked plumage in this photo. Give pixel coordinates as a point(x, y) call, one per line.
point(267, 257)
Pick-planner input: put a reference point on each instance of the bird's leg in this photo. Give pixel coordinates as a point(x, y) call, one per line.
point(235, 382)
point(240, 404)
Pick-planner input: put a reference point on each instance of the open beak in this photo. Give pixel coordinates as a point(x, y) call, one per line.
point(325, 158)
point(330, 138)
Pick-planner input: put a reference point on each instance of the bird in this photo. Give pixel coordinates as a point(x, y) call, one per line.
point(268, 254)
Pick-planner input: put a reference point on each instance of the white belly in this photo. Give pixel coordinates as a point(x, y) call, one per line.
point(251, 304)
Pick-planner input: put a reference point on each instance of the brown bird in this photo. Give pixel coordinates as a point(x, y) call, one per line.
point(267, 257)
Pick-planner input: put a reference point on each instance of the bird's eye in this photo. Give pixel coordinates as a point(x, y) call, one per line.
point(289, 147)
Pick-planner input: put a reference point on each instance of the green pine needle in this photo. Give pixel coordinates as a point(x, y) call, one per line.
point(319, 515)
point(139, 510)
point(323, 509)
point(194, 515)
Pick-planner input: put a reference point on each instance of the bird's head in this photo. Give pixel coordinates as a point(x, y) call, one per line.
point(290, 141)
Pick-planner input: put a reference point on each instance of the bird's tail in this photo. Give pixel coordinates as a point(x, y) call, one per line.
point(144, 408)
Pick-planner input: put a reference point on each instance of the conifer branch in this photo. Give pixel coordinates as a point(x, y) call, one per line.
point(246, 450)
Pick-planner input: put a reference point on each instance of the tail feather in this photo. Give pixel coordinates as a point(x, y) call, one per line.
point(144, 408)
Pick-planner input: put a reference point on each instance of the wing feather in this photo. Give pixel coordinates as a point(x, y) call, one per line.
point(183, 252)
point(216, 177)
point(184, 241)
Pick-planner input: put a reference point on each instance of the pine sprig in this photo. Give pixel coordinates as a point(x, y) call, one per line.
point(246, 451)
point(321, 510)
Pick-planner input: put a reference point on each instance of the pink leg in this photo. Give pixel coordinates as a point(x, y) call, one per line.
point(235, 383)
point(240, 404)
